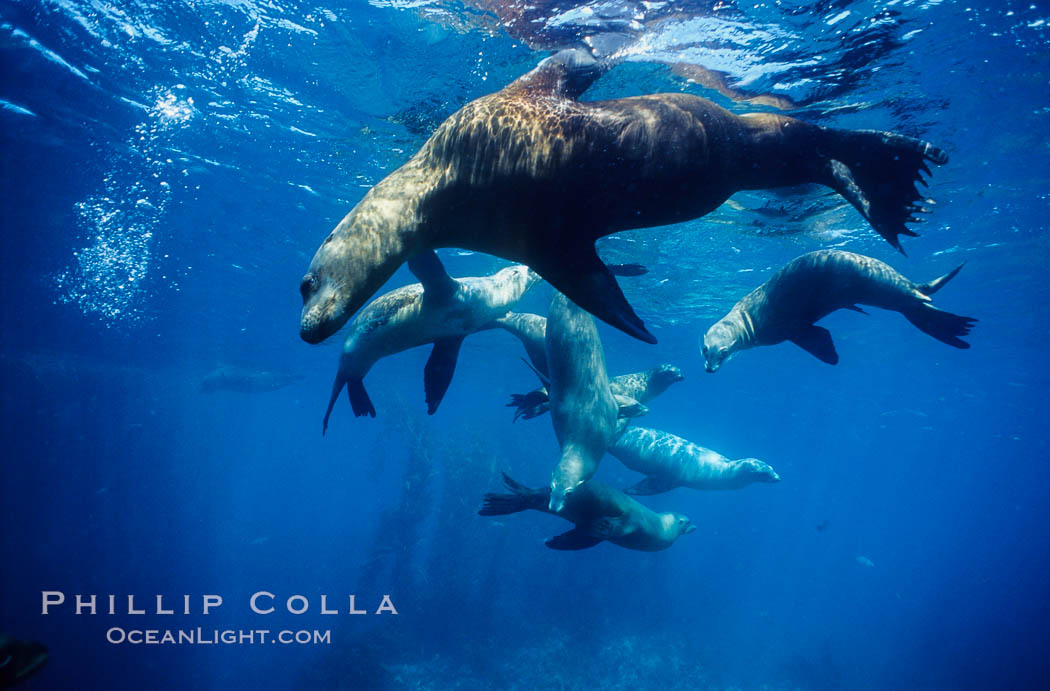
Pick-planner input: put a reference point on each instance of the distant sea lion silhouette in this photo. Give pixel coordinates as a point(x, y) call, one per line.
point(599, 512)
point(19, 660)
point(812, 286)
point(440, 310)
point(533, 175)
point(242, 380)
point(671, 461)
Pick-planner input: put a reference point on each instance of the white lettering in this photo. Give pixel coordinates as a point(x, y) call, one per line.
point(254, 601)
point(132, 610)
point(300, 598)
point(386, 605)
point(81, 604)
point(353, 609)
point(211, 601)
point(48, 597)
point(160, 606)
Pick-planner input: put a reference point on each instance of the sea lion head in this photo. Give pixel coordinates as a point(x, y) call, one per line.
point(758, 471)
point(353, 262)
point(720, 342)
point(660, 378)
point(677, 525)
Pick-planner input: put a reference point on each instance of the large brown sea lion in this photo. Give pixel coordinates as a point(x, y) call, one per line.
point(536, 176)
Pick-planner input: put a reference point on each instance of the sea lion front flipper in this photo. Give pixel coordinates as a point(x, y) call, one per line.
point(629, 407)
point(816, 340)
point(650, 485)
point(582, 277)
point(437, 373)
point(609, 527)
point(431, 273)
point(573, 540)
point(856, 309)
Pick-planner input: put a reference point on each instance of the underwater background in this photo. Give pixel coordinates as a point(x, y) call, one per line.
point(167, 171)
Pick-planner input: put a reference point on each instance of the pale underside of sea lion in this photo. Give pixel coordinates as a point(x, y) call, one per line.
point(583, 408)
point(599, 512)
point(671, 461)
point(536, 176)
point(440, 310)
point(810, 287)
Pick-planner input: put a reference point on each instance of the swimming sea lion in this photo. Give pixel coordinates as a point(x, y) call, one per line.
point(583, 409)
point(639, 386)
point(599, 512)
point(810, 287)
point(440, 310)
point(536, 176)
point(671, 461)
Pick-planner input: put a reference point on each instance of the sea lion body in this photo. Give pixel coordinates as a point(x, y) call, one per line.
point(412, 316)
point(599, 512)
point(671, 461)
point(533, 175)
point(583, 408)
point(816, 284)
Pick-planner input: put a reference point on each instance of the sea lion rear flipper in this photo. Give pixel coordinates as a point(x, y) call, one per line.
point(583, 278)
point(431, 273)
point(650, 485)
point(359, 400)
point(575, 539)
point(876, 172)
point(944, 326)
point(816, 340)
point(437, 373)
point(938, 283)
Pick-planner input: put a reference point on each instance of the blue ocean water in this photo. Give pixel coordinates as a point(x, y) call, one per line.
point(168, 171)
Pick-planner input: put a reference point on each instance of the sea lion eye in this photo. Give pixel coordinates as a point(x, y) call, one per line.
point(309, 286)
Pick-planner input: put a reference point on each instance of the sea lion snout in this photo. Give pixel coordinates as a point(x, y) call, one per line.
point(322, 315)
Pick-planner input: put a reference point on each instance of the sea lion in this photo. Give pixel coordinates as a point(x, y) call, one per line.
point(439, 310)
point(671, 461)
point(810, 287)
point(536, 176)
point(242, 380)
point(638, 386)
point(19, 660)
point(583, 409)
point(599, 512)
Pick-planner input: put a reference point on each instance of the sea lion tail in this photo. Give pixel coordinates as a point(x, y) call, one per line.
point(938, 283)
point(520, 499)
point(944, 326)
point(876, 172)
